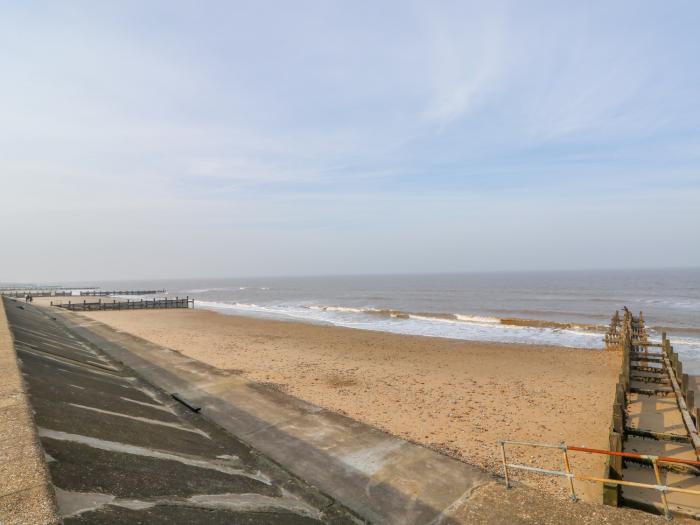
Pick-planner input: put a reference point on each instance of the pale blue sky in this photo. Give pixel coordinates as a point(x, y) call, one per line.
point(250, 138)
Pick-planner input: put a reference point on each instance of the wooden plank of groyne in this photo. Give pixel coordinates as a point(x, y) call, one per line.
point(680, 398)
point(651, 434)
point(26, 495)
point(639, 358)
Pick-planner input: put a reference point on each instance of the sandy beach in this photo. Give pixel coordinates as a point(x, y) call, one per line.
point(456, 396)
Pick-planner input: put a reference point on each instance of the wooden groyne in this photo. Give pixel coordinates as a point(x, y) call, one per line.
point(50, 292)
point(653, 460)
point(36, 293)
point(84, 306)
point(655, 418)
point(28, 288)
point(103, 293)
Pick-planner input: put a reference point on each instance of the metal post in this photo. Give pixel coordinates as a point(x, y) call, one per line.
point(505, 464)
point(567, 467)
point(663, 490)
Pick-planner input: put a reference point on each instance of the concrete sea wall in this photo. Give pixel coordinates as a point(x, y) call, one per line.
point(26, 494)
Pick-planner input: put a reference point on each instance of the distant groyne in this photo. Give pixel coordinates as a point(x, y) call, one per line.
point(143, 304)
point(103, 293)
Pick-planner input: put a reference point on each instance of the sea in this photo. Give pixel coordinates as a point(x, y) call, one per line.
point(563, 308)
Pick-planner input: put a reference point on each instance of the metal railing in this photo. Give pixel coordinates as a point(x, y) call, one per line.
point(569, 474)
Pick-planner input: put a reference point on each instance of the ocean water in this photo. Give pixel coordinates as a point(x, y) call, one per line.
point(561, 308)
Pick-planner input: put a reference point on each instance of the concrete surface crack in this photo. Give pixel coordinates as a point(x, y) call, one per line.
point(449, 510)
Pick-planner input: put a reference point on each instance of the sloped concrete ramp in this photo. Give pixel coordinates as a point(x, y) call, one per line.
point(382, 478)
point(121, 451)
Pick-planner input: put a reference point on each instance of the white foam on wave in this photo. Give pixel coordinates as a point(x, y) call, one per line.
point(347, 309)
point(458, 319)
point(689, 304)
point(226, 289)
point(251, 308)
point(229, 306)
point(477, 319)
point(686, 342)
point(214, 289)
point(468, 328)
point(463, 327)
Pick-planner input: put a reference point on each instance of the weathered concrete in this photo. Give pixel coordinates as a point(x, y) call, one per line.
point(492, 504)
point(25, 490)
point(382, 478)
point(121, 451)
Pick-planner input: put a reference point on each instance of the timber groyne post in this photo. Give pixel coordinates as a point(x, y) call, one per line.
point(618, 337)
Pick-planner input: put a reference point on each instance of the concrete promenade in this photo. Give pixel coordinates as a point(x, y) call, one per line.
point(25, 490)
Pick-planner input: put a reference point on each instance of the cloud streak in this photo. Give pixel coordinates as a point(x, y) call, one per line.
point(277, 121)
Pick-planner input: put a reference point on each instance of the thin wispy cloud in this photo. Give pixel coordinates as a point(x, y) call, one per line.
point(286, 119)
point(467, 61)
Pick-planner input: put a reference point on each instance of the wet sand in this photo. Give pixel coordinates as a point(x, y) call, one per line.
point(456, 396)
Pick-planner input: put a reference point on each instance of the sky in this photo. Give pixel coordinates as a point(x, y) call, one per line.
point(223, 139)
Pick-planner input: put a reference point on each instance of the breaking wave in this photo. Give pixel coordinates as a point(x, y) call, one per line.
point(462, 318)
point(446, 325)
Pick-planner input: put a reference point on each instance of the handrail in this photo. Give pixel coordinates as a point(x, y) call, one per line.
point(632, 455)
point(567, 472)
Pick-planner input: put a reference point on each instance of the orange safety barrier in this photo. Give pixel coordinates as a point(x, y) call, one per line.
point(631, 455)
point(567, 472)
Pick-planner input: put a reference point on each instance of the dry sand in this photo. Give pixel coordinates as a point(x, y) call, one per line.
point(456, 396)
